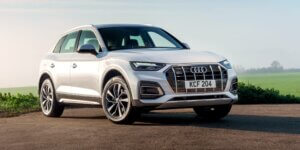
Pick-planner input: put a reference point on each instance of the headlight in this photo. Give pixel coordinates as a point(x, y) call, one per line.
point(226, 64)
point(146, 66)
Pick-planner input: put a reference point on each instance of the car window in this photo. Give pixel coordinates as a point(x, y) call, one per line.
point(88, 37)
point(58, 45)
point(160, 41)
point(69, 43)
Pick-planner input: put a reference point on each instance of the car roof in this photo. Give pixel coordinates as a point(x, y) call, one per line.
point(99, 26)
point(121, 25)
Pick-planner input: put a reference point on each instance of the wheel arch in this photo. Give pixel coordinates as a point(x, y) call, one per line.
point(110, 73)
point(43, 76)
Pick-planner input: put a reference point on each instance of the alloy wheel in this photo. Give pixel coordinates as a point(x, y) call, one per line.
point(46, 97)
point(117, 101)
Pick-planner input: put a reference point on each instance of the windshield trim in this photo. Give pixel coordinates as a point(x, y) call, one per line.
point(165, 48)
point(178, 44)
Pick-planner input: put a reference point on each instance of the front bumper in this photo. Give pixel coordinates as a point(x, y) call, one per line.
point(171, 99)
point(188, 100)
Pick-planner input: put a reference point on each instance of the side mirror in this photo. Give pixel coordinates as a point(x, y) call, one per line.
point(186, 45)
point(88, 48)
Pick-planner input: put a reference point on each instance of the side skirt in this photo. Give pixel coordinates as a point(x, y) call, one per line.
point(73, 101)
point(78, 99)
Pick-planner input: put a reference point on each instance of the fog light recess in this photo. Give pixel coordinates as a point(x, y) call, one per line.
point(150, 90)
point(234, 86)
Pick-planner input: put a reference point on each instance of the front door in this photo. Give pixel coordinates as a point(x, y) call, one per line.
point(84, 76)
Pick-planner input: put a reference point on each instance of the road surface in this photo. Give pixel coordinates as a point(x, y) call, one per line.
point(246, 127)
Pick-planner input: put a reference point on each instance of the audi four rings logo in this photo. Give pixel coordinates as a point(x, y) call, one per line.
point(198, 69)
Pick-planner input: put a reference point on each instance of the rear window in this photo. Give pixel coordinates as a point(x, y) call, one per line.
point(58, 45)
point(69, 43)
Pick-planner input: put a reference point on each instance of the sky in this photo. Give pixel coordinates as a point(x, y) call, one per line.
point(249, 33)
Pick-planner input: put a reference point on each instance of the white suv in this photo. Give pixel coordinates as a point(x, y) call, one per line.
point(130, 69)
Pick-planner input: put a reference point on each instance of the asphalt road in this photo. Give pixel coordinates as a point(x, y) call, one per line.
point(247, 127)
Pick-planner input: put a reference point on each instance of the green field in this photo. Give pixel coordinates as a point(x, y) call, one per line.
point(20, 90)
point(286, 83)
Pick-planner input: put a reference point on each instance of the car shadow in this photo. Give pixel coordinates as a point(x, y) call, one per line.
point(273, 124)
point(83, 117)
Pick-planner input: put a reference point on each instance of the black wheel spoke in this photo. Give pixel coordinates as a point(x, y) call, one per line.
point(111, 107)
point(122, 107)
point(110, 94)
point(111, 101)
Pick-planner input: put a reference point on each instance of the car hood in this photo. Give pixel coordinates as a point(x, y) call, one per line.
point(167, 55)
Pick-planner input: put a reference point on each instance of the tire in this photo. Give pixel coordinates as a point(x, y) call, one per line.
point(117, 102)
point(48, 102)
point(213, 112)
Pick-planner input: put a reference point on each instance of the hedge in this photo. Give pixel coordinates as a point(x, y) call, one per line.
point(20, 103)
point(250, 94)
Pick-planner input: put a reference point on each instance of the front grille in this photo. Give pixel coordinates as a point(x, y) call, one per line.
point(177, 75)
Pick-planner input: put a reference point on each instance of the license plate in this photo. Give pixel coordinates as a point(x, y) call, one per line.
point(200, 84)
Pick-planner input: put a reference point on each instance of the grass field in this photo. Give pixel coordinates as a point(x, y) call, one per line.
point(286, 83)
point(20, 90)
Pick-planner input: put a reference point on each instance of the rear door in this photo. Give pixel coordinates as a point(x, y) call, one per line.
point(62, 65)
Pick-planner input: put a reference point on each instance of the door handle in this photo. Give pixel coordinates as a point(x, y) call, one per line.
point(74, 65)
point(52, 65)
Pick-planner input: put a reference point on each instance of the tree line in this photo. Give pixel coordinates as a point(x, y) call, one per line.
point(275, 66)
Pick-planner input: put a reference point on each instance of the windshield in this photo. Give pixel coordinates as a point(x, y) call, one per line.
point(117, 38)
